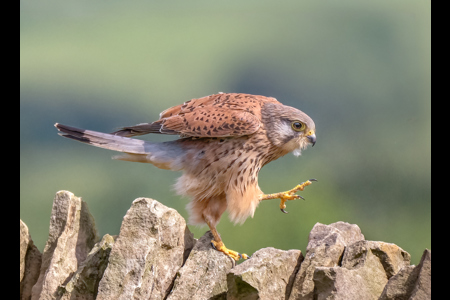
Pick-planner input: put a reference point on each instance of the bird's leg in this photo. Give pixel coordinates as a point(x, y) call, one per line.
point(288, 195)
point(220, 246)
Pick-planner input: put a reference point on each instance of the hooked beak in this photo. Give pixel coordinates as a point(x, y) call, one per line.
point(311, 137)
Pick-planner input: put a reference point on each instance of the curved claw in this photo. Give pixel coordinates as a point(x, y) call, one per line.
point(313, 179)
point(283, 211)
point(243, 256)
point(233, 255)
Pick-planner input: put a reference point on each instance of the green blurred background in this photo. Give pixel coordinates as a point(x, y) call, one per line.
point(360, 69)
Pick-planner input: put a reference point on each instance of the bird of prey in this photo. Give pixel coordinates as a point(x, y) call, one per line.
point(225, 140)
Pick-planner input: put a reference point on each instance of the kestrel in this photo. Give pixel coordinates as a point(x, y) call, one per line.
point(225, 140)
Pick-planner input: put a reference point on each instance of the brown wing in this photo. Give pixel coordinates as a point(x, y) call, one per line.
point(219, 115)
point(212, 122)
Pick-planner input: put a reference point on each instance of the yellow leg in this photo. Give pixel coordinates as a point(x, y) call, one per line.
point(288, 195)
point(220, 246)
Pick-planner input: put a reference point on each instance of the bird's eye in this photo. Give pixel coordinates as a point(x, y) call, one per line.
point(298, 126)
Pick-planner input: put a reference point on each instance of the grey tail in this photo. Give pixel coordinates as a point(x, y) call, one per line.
point(105, 140)
point(167, 155)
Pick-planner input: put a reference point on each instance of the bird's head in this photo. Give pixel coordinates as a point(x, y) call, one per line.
point(288, 128)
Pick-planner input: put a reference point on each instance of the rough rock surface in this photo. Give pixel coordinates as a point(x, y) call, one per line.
point(363, 273)
point(268, 275)
point(84, 283)
point(411, 282)
point(147, 253)
point(325, 249)
point(72, 234)
point(24, 242)
point(30, 262)
point(156, 257)
point(204, 265)
point(339, 233)
point(391, 256)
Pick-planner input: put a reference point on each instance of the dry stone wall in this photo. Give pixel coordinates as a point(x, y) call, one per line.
point(155, 256)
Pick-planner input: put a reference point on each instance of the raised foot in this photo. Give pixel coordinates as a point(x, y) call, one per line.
point(289, 195)
point(219, 246)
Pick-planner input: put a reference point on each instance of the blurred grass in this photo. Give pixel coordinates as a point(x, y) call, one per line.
point(361, 70)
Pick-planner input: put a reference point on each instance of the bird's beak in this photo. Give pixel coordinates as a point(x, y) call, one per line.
point(311, 137)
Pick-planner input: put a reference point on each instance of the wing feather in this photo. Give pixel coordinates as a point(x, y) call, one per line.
point(218, 115)
point(213, 123)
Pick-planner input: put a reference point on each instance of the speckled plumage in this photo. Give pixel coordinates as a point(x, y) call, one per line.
point(225, 141)
point(219, 115)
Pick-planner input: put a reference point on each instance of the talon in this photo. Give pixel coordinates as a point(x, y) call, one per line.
point(288, 195)
point(298, 197)
point(219, 246)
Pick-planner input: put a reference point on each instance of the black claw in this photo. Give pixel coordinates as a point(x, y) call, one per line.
point(213, 246)
point(283, 211)
point(301, 197)
point(313, 179)
point(240, 255)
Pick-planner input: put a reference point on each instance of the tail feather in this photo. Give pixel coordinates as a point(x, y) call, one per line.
point(104, 140)
point(167, 155)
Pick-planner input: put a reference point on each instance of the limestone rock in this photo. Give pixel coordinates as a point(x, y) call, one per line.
point(30, 262)
point(72, 234)
point(422, 288)
point(84, 283)
point(325, 249)
point(268, 274)
point(204, 275)
point(400, 285)
point(411, 282)
point(147, 254)
point(24, 241)
point(364, 271)
point(341, 233)
point(341, 283)
point(391, 256)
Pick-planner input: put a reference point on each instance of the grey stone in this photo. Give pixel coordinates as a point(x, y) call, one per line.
point(365, 282)
point(84, 283)
point(147, 254)
point(341, 233)
point(30, 262)
point(325, 249)
point(411, 282)
point(422, 288)
point(204, 275)
point(363, 273)
point(391, 256)
point(24, 241)
point(268, 274)
point(72, 234)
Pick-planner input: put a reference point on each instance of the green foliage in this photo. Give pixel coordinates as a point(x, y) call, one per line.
point(360, 69)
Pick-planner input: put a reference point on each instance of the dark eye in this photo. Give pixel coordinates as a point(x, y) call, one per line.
point(298, 126)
